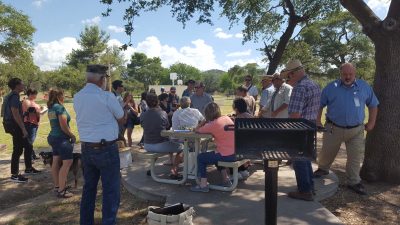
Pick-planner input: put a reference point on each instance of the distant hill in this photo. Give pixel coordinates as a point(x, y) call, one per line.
point(215, 72)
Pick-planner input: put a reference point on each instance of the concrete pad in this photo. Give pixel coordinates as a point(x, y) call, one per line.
point(245, 205)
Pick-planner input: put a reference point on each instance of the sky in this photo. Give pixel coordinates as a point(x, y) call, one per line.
point(58, 24)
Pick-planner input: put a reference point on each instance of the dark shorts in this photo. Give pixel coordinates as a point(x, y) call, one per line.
point(61, 147)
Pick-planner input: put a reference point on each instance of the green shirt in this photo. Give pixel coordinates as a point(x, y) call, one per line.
point(53, 114)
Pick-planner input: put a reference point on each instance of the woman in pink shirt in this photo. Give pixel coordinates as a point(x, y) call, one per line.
point(224, 140)
point(31, 113)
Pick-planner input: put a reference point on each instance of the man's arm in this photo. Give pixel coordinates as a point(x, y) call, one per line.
point(319, 116)
point(18, 120)
point(280, 109)
point(295, 115)
point(373, 112)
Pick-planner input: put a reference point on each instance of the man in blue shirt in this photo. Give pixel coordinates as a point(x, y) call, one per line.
point(345, 100)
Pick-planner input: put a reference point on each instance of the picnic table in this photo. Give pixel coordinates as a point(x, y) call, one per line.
point(187, 136)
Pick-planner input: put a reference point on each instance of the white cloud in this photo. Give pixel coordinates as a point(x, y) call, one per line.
point(239, 35)
point(199, 54)
point(93, 21)
point(50, 55)
point(38, 3)
point(378, 4)
point(239, 54)
point(219, 33)
point(116, 29)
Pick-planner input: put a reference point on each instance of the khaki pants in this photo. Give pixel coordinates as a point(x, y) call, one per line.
point(355, 146)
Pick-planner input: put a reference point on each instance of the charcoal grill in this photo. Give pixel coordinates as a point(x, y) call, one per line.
point(273, 140)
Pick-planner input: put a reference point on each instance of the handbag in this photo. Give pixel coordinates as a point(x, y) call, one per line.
point(177, 214)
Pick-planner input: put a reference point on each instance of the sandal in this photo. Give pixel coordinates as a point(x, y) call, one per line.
point(64, 193)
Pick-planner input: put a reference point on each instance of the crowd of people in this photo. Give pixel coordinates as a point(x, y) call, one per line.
point(104, 117)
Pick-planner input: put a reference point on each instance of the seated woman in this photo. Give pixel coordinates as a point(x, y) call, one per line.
point(224, 140)
point(240, 107)
point(153, 121)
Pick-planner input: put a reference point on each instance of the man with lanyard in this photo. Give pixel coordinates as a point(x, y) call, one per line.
point(266, 92)
point(189, 91)
point(251, 89)
point(304, 103)
point(97, 116)
point(14, 124)
point(345, 100)
point(280, 98)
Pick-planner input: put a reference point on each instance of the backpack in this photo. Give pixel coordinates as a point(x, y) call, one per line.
point(9, 125)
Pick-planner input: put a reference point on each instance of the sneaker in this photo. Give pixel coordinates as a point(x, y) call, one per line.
point(245, 174)
point(198, 188)
point(320, 172)
point(19, 178)
point(358, 188)
point(32, 171)
point(306, 196)
point(227, 183)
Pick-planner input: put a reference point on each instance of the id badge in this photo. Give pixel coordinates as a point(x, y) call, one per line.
point(356, 101)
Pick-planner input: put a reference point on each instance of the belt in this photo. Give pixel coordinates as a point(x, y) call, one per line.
point(98, 145)
point(344, 127)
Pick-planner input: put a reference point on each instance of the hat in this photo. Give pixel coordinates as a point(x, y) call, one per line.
point(172, 88)
point(266, 76)
point(292, 65)
point(277, 76)
point(97, 68)
point(191, 81)
point(116, 84)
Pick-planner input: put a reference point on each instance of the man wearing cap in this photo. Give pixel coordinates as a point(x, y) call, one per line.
point(251, 89)
point(118, 88)
point(173, 99)
point(266, 92)
point(345, 100)
point(304, 103)
point(98, 113)
point(280, 98)
point(241, 91)
point(190, 89)
point(200, 99)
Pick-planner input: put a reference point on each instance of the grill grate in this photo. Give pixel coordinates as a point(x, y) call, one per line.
point(274, 125)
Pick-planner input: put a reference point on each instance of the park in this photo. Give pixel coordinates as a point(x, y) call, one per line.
point(274, 84)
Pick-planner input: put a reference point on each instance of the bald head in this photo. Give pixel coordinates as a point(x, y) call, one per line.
point(348, 73)
point(185, 102)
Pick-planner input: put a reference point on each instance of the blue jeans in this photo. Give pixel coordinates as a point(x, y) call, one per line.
point(304, 174)
point(209, 158)
point(104, 163)
point(164, 147)
point(32, 131)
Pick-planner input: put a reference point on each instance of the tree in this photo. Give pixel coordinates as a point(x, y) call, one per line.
point(263, 19)
point(211, 80)
point(185, 72)
point(16, 33)
point(93, 43)
point(382, 156)
point(146, 70)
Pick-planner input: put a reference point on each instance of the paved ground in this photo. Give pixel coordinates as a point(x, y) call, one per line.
point(245, 205)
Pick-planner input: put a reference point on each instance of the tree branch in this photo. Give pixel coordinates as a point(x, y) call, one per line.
point(392, 20)
point(267, 51)
point(363, 14)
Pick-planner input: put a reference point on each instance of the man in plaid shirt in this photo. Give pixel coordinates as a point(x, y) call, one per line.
point(304, 103)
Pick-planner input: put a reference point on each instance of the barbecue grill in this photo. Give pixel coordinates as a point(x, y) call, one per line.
point(273, 140)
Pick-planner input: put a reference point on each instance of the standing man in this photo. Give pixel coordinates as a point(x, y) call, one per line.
point(173, 99)
point(189, 91)
point(200, 99)
point(280, 98)
point(304, 103)
point(118, 88)
point(345, 100)
point(241, 91)
point(267, 88)
point(14, 125)
point(97, 115)
point(251, 89)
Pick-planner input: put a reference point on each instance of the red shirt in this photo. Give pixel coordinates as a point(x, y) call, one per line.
point(223, 139)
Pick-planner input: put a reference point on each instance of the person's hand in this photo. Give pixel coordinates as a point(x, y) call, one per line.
point(369, 126)
point(73, 139)
point(274, 114)
point(24, 133)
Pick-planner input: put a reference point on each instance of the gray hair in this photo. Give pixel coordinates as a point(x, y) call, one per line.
point(93, 77)
point(185, 102)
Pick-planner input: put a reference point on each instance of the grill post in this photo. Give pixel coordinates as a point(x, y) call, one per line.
point(271, 168)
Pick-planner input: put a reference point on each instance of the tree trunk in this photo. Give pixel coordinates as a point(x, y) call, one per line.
point(382, 154)
point(283, 42)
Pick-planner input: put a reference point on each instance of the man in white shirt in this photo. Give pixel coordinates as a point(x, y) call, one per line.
point(280, 97)
point(97, 116)
point(186, 117)
point(267, 90)
point(251, 88)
